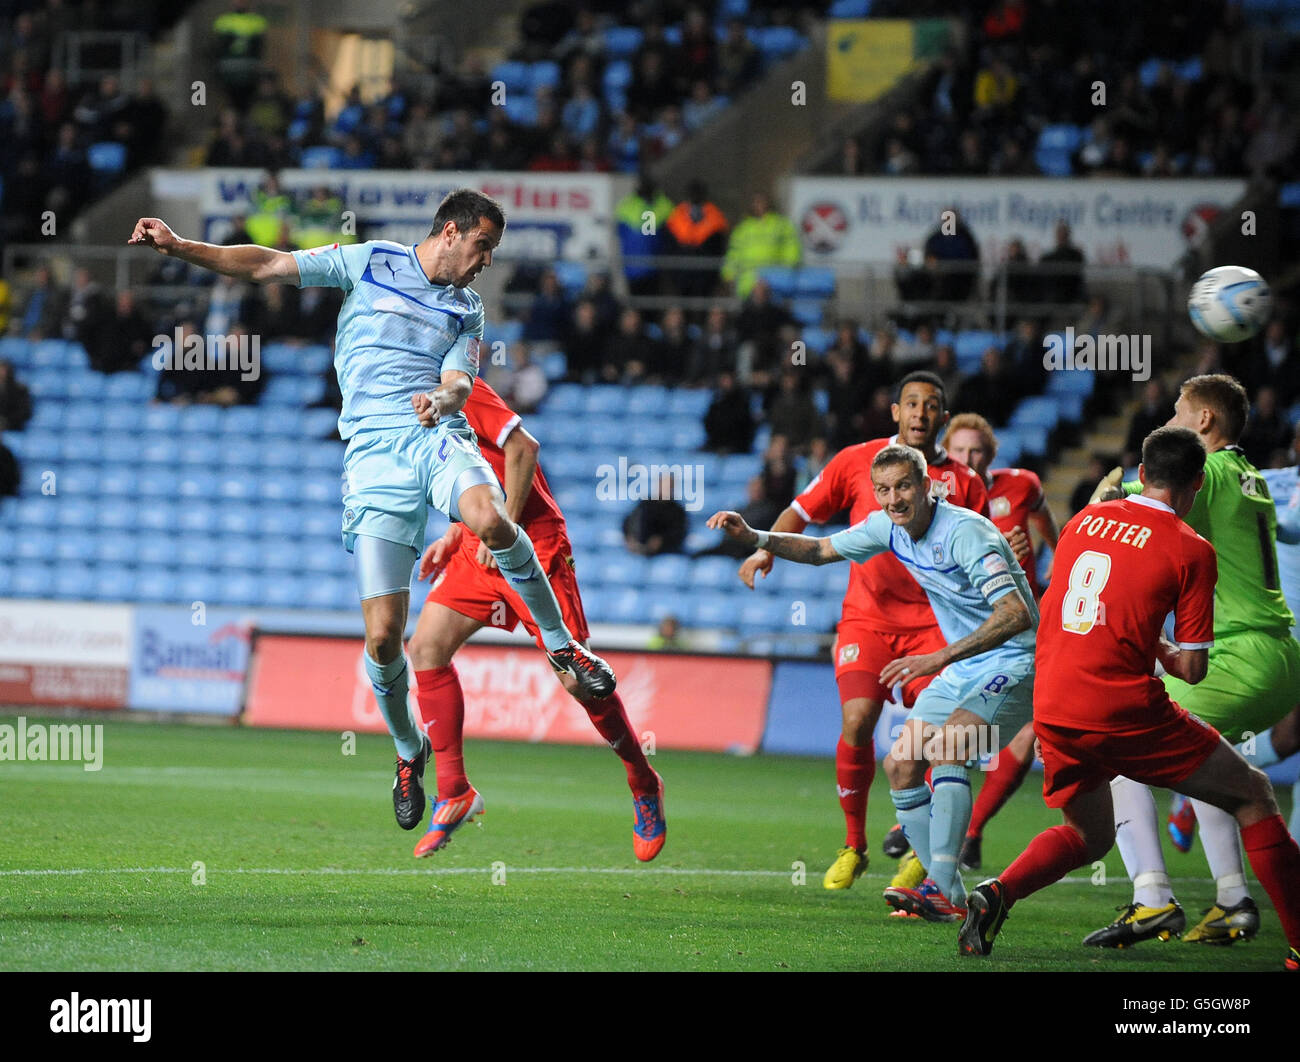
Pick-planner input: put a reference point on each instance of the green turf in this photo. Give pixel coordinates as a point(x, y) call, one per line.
point(306, 870)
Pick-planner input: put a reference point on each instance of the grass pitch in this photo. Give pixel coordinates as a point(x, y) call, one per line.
point(212, 848)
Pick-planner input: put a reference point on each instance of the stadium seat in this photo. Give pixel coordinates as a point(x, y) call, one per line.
point(121, 387)
point(815, 283)
point(543, 75)
point(32, 580)
point(521, 110)
point(321, 489)
point(605, 400)
point(282, 591)
point(571, 275)
point(283, 420)
point(323, 522)
point(241, 454)
point(321, 157)
point(319, 423)
point(1080, 382)
point(617, 77)
point(850, 9)
point(155, 586)
point(669, 570)
point(111, 583)
point(760, 615)
point(278, 487)
point(516, 77)
point(622, 41)
point(107, 158)
point(234, 518)
point(620, 568)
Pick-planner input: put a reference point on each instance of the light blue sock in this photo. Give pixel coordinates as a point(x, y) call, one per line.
point(1263, 754)
point(519, 564)
point(913, 807)
point(949, 816)
point(390, 683)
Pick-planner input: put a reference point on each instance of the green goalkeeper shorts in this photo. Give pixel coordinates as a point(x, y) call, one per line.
point(1253, 681)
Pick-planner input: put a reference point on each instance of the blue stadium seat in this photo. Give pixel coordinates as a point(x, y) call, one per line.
point(711, 611)
point(714, 573)
point(321, 489)
point(111, 514)
point(319, 423)
point(759, 615)
point(777, 42)
point(618, 568)
point(112, 583)
point(323, 457)
point(75, 546)
point(200, 585)
point(77, 483)
point(274, 486)
point(321, 157)
point(646, 401)
point(123, 387)
point(1072, 382)
point(76, 512)
point(59, 354)
point(543, 75)
point(595, 603)
point(319, 522)
point(282, 591)
point(517, 77)
point(238, 518)
point(240, 422)
point(571, 275)
point(197, 516)
point(687, 436)
point(605, 400)
point(617, 77)
point(29, 547)
point(283, 420)
point(810, 313)
point(198, 483)
point(783, 280)
point(670, 570)
point(565, 399)
point(815, 282)
point(584, 537)
point(17, 350)
point(1069, 405)
point(329, 592)
point(200, 420)
point(849, 9)
point(521, 110)
point(115, 547)
point(622, 41)
point(32, 580)
point(155, 586)
point(1039, 413)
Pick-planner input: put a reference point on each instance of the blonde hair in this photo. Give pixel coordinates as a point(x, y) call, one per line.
point(972, 422)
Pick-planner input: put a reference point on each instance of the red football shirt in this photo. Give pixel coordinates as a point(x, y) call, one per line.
point(1121, 567)
point(492, 421)
point(882, 594)
point(1014, 493)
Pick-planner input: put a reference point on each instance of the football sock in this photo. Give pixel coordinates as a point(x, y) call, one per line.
point(1137, 835)
point(1222, 842)
point(913, 807)
point(1259, 750)
point(442, 713)
point(1050, 856)
point(390, 683)
point(609, 717)
point(855, 767)
point(999, 784)
point(949, 815)
point(1275, 859)
point(524, 573)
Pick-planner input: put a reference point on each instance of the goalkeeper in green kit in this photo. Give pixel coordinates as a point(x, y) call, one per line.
point(1253, 679)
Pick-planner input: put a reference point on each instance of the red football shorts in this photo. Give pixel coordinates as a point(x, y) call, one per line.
point(1162, 754)
point(862, 653)
point(467, 587)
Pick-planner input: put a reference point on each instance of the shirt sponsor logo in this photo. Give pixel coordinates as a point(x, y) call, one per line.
point(994, 564)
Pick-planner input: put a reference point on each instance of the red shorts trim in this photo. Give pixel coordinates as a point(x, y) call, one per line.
point(1163, 754)
point(466, 587)
point(861, 653)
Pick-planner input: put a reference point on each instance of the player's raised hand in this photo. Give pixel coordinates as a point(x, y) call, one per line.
point(426, 409)
point(155, 233)
point(439, 553)
point(760, 561)
point(1018, 539)
point(730, 523)
point(1109, 488)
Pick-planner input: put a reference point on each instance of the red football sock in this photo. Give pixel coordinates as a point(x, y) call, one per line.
point(442, 717)
point(1275, 859)
point(609, 717)
point(1048, 858)
point(998, 785)
point(855, 767)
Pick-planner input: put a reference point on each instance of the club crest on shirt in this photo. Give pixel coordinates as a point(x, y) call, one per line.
point(999, 507)
point(848, 653)
point(937, 553)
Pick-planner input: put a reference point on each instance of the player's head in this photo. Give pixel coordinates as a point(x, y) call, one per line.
point(1173, 460)
point(466, 230)
point(1214, 404)
point(970, 440)
point(920, 409)
point(902, 484)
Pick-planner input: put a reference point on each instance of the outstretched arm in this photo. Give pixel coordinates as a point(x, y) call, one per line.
point(804, 549)
point(247, 262)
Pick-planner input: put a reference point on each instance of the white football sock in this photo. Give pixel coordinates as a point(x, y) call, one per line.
point(1222, 842)
point(1137, 835)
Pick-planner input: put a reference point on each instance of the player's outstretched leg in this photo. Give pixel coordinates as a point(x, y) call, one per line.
point(483, 511)
point(1154, 913)
point(383, 569)
point(449, 816)
point(1229, 782)
point(855, 769)
point(1014, 762)
point(1088, 834)
point(1233, 915)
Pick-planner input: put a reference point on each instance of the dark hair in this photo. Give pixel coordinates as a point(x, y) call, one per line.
point(1225, 397)
point(925, 377)
point(465, 206)
point(1172, 457)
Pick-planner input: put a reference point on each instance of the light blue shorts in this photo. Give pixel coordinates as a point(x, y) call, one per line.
point(391, 475)
point(996, 686)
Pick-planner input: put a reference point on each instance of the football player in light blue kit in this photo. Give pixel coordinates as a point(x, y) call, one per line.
point(406, 355)
point(985, 690)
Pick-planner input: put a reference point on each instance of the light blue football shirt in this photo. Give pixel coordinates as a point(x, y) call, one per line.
point(397, 331)
point(962, 563)
point(1284, 486)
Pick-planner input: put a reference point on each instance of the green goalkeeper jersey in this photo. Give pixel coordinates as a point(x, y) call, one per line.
point(1235, 514)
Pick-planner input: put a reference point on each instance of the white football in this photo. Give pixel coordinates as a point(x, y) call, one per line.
point(1230, 303)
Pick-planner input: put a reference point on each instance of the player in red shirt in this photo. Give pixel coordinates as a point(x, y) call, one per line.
point(469, 592)
point(1099, 712)
point(1015, 501)
point(886, 615)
